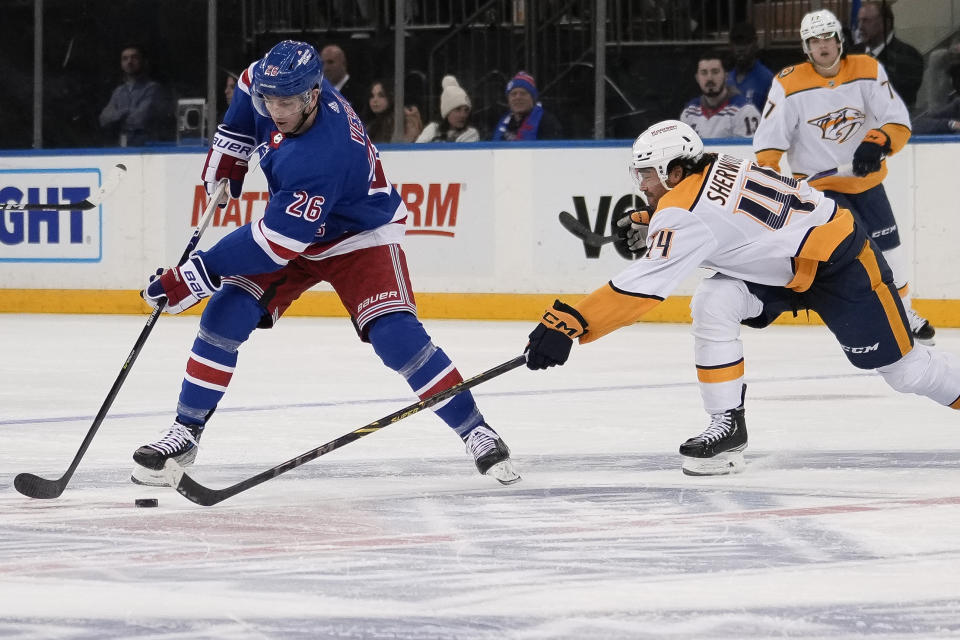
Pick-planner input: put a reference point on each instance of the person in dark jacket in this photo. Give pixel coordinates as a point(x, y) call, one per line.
point(944, 119)
point(904, 64)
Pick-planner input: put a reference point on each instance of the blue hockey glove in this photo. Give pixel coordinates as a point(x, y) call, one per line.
point(551, 341)
point(869, 155)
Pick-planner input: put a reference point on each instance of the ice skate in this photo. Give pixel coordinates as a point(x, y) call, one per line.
point(921, 329)
point(179, 443)
point(719, 449)
point(491, 455)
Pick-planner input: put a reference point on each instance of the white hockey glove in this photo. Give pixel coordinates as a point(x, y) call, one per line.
point(632, 229)
point(227, 158)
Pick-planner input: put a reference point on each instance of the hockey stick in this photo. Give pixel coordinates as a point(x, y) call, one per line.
point(580, 230)
point(204, 496)
point(109, 184)
point(842, 170)
point(34, 486)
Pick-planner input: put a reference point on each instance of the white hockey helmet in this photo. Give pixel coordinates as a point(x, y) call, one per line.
point(820, 24)
point(661, 143)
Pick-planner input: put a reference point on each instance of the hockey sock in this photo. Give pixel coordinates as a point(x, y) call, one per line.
point(718, 307)
point(403, 345)
point(227, 322)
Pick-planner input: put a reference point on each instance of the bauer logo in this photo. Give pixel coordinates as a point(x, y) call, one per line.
point(50, 235)
point(433, 208)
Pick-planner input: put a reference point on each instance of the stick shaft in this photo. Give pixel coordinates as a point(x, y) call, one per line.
point(37, 487)
point(195, 492)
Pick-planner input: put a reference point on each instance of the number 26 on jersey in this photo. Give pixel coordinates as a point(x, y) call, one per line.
point(305, 206)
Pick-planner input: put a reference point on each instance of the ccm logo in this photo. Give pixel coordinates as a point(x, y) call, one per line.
point(872, 347)
point(884, 232)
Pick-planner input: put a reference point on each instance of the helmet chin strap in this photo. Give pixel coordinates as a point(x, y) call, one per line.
point(303, 118)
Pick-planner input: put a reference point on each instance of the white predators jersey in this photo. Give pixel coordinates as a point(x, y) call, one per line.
point(742, 220)
point(819, 122)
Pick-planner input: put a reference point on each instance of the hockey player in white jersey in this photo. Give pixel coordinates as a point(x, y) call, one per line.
point(839, 111)
point(720, 111)
point(777, 245)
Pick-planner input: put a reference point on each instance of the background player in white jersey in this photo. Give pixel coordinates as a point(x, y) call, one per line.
point(720, 111)
point(837, 111)
point(332, 216)
point(777, 245)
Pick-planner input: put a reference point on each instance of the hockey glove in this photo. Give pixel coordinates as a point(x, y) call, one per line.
point(632, 231)
point(551, 341)
point(868, 156)
point(182, 286)
point(227, 158)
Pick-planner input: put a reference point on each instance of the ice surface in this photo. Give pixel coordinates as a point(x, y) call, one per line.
point(846, 523)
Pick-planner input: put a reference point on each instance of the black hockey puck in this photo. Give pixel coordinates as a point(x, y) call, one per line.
point(146, 502)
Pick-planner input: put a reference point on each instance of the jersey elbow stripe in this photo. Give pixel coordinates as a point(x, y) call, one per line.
point(245, 79)
point(721, 372)
point(900, 332)
point(278, 247)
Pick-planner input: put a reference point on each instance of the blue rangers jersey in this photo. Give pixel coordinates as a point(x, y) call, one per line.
point(328, 192)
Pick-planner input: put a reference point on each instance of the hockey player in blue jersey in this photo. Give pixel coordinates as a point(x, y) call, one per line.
point(332, 217)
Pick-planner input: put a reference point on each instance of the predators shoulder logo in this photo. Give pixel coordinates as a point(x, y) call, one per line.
point(839, 125)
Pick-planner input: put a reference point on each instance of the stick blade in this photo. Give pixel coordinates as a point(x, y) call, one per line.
point(190, 488)
point(578, 229)
point(36, 487)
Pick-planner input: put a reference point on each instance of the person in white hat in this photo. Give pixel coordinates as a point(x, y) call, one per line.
point(455, 116)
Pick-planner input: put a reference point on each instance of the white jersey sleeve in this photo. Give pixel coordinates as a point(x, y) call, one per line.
point(886, 106)
point(747, 121)
point(778, 121)
point(677, 242)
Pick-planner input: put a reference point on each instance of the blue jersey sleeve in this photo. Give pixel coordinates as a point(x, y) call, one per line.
point(238, 254)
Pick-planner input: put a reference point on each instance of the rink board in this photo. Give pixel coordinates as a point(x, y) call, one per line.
point(483, 240)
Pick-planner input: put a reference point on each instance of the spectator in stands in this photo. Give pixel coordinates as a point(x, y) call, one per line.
point(335, 71)
point(720, 111)
point(228, 87)
point(749, 76)
point(945, 119)
point(454, 125)
point(527, 119)
point(378, 115)
point(903, 63)
point(936, 90)
point(140, 107)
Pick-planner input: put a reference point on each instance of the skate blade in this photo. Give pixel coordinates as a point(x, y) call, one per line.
point(929, 342)
point(504, 472)
point(721, 464)
point(149, 477)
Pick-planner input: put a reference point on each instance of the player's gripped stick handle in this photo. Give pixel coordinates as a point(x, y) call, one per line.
point(34, 486)
point(204, 496)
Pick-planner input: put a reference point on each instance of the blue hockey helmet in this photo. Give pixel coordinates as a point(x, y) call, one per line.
point(290, 68)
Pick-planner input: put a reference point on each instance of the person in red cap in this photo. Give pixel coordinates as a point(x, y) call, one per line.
point(527, 119)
